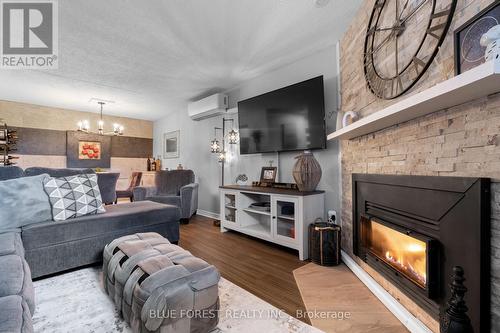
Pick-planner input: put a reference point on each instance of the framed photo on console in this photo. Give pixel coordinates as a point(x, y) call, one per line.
point(468, 51)
point(268, 174)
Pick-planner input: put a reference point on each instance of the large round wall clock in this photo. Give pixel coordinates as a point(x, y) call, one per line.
point(402, 39)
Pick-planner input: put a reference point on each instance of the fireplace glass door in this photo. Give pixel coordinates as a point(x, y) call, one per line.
point(401, 251)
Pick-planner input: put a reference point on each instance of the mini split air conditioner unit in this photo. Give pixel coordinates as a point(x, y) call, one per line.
point(208, 107)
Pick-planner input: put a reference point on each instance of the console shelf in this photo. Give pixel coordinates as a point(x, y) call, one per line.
point(285, 224)
point(478, 82)
point(254, 211)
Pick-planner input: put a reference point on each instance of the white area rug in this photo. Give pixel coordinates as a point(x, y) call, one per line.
point(76, 302)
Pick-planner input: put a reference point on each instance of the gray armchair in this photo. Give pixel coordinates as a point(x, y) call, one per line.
point(175, 187)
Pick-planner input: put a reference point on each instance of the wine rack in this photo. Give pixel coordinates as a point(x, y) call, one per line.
point(8, 142)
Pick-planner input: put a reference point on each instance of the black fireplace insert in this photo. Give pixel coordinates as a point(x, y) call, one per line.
point(414, 229)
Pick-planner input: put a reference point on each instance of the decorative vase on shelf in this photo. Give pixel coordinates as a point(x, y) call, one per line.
point(306, 172)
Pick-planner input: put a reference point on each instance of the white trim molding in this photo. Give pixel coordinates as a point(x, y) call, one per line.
point(413, 324)
point(208, 214)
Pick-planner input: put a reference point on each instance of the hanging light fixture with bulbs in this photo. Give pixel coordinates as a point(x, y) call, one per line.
point(232, 138)
point(84, 125)
point(215, 144)
point(219, 147)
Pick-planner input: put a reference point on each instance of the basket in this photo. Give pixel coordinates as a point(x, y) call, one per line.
point(324, 243)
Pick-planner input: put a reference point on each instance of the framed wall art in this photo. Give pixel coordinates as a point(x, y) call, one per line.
point(171, 144)
point(87, 150)
point(468, 51)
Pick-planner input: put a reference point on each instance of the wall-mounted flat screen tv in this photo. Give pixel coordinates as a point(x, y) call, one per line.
point(290, 118)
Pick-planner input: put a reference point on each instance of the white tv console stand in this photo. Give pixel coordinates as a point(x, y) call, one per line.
point(290, 230)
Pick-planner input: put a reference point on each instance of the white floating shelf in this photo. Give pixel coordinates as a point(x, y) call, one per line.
point(478, 82)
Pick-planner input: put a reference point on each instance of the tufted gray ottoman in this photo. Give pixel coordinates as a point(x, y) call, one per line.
point(160, 287)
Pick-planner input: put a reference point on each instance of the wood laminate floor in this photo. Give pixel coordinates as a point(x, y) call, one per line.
point(262, 268)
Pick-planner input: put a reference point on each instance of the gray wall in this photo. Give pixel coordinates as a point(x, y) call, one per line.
point(196, 135)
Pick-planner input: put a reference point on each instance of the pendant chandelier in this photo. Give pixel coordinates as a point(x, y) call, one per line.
point(84, 126)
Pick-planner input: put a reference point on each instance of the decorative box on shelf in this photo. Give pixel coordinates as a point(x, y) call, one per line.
point(277, 215)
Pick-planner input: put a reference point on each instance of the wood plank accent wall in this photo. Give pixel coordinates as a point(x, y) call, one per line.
point(125, 146)
point(37, 141)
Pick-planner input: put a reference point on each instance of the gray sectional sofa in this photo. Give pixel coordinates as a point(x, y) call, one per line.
point(50, 247)
point(17, 297)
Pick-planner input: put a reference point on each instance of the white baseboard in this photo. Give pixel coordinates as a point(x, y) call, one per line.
point(413, 324)
point(208, 214)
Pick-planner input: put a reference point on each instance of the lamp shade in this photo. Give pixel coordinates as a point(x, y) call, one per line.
point(215, 146)
point(232, 137)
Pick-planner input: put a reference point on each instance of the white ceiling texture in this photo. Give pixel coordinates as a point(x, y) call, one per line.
point(152, 57)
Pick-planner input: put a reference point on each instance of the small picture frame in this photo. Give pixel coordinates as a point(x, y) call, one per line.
point(268, 174)
point(171, 144)
point(468, 52)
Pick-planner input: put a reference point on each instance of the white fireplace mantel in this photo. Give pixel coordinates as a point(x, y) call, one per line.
point(478, 82)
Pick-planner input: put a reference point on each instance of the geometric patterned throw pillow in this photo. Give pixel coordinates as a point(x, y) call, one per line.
point(73, 196)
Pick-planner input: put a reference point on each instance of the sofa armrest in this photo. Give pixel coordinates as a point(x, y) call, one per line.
point(189, 200)
point(141, 193)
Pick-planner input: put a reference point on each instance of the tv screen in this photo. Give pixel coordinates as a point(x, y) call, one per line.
point(290, 118)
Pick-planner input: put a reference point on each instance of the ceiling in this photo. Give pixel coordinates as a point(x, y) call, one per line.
point(151, 57)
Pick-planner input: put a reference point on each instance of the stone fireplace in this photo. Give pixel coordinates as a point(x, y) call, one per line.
point(414, 229)
point(461, 141)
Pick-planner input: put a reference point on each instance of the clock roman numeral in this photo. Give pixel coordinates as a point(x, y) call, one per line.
point(396, 86)
point(441, 13)
point(418, 63)
point(379, 87)
point(373, 80)
point(368, 56)
point(431, 30)
point(370, 74)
